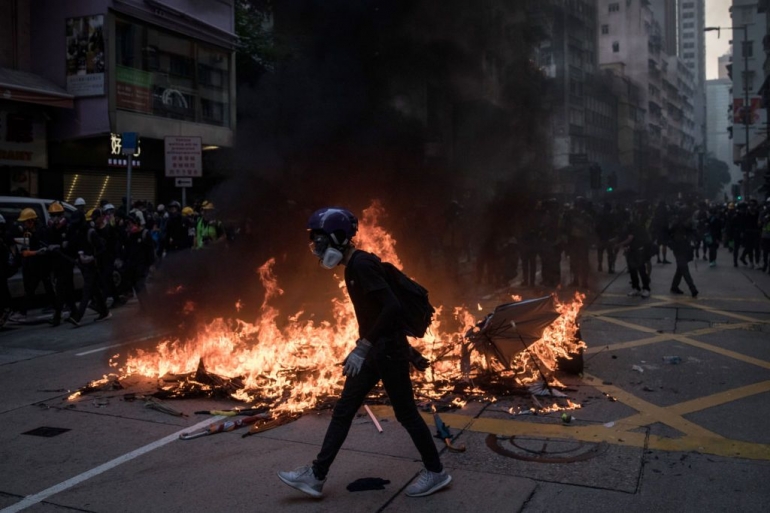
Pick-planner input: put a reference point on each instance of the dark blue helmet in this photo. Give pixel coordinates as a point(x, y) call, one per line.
point(338, 223)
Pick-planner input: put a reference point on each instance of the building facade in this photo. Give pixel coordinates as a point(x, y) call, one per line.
point(157, 68)
point(747, 73)
point(632, 44)
point(719, 98)
point(692, 50)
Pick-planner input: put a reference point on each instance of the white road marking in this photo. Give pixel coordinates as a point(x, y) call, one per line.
point(31, 500)
point(101, 349)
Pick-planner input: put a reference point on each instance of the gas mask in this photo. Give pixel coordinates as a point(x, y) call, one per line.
point(321, 247)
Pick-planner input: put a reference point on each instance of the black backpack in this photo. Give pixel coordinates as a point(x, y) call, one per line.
point(416, 309)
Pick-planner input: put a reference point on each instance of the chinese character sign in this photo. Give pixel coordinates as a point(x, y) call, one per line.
point(743, 115)
point(183, 156)
point(84, 48)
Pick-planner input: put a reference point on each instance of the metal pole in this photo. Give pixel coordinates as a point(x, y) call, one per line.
point(184, 197)
point(746, 110)
point(128, 184)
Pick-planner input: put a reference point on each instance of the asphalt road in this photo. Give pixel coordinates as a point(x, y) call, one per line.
point(651, 435)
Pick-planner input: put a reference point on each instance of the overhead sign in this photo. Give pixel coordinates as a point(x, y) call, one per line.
point(183, 156)
point(183, 182)
point(133, 89)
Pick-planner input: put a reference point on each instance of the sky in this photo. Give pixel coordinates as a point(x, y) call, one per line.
point(717, 15)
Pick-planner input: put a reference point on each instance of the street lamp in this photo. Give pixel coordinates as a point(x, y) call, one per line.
point(746, 107)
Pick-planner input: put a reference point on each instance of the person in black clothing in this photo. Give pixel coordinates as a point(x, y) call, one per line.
point(8, 267)
point(176, 230)
point(62, 261)
point(106, 264)
point(681, 237)
point(90, 249)
point(637, 244)
point(713, 236)
point(751, 234)
point(139, 255)
point(382, 353)
point(606, 231)
point(35, 265)
point(659, 227)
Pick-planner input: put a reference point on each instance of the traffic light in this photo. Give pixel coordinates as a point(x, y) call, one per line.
point(735, 190)
point(612, 182)
point(596, 176)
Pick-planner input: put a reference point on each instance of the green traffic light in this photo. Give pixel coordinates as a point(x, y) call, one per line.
point(740, 198)
point(609, 189)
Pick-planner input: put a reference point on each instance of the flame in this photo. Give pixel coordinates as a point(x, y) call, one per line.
point(293, 367)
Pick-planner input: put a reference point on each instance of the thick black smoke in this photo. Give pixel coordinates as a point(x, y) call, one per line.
point(433, 107)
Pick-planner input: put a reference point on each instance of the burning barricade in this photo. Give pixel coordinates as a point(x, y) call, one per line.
point(291, 364)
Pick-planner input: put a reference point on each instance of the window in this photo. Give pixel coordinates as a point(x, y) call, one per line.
point(688, 5)
point(169, 75)
point(748, 80)
point(614, 7)
point(605, 29)
point(688, 15)
point(689, 55)
point(688, 45)
point(688, 24)
point(688, 35)
point(615, 47)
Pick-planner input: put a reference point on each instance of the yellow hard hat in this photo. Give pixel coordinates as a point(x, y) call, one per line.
point(207, 205)
point(731, 205)
point(187, 211)
point(55, 208)
point(90, 214)
point(27, 214)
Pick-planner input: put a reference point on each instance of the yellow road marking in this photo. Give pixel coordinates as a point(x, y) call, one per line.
point(628, 325)
point(595, 433)
point(722, 351)
point(623, 309)
point(632, 343)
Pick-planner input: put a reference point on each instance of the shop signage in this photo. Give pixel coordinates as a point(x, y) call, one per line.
point(22, 140)
point(750, 114)
point(84, 46)
point(133, 90)
point(183, 156)
point(117, 158)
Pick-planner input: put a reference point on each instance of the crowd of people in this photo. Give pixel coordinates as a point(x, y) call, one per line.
point(115, 250)
point(641, 232)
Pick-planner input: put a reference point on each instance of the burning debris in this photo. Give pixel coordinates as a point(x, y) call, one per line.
point(289, 364)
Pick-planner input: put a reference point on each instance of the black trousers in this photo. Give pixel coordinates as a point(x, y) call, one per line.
point(32, 274)
point(636, 268)
point(683, 271)
point(611, 254)
point(395, 378)
point(529, 266)
point(65, 292)
point(713, 247)
point(92, 289)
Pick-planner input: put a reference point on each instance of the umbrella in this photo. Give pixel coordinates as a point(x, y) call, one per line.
point(512, 327)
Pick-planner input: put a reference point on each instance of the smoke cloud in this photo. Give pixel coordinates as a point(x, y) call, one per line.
point(432, 107)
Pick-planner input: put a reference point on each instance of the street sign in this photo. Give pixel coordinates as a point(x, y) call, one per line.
point(183, 182)
point(129, 143)
point(183, 156)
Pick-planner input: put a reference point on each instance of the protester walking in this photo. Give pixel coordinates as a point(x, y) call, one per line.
point(381, 354)
point(637, 244)
point(35, 266)
point(682, 237)
point(62, 261)
point(9, 258)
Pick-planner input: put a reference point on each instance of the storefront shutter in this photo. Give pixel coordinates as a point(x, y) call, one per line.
point(111, 185)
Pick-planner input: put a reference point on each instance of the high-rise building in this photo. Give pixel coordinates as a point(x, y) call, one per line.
point(631, 43)
point(692, 50)
point(665, 11)
point(723, 71)
point(719, 123)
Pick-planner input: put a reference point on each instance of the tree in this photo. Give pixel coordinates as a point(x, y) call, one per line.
point(716, 174)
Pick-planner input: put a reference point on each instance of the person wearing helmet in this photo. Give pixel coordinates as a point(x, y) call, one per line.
point(108, 233)
point(138, 257)
point(62, 261)
point(35, 265)
point(90, 250)
point(381, 354)
point(9, 258)
point(176, 231)
point(208, 229)
point(80, 204)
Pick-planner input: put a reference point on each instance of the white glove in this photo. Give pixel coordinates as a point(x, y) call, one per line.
point(355, 359)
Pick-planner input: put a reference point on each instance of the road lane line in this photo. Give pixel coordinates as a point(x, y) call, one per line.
point(31, 500)
point(101, 349)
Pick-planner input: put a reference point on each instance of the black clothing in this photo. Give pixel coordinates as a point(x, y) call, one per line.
point(681, 237)
point(35, 269)
point(90, 247)
point(377, 313)
point(637, 254)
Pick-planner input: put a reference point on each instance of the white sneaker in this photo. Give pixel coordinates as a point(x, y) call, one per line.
point(645, 293)
point(304, 480)
point(428, 482)
point(633, 293)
